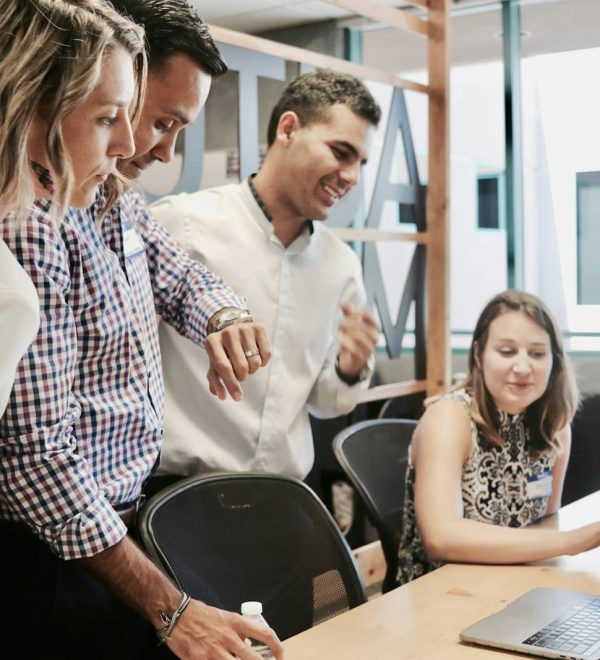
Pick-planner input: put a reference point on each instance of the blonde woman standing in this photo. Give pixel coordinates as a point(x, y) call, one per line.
point(71, 73)
point(83, 426)
point(50, 55)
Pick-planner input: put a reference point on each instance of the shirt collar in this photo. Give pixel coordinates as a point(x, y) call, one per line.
point(509, 419)
point(265, 210)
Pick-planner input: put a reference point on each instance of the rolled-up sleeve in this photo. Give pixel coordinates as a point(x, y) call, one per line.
point(186, 293)
point(44, 481)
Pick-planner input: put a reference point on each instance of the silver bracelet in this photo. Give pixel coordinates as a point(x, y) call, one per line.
point(165, 632)
point(231, 316)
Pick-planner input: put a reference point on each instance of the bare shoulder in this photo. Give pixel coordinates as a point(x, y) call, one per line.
point(563, 438)
point(446, 412)
point(444, 427)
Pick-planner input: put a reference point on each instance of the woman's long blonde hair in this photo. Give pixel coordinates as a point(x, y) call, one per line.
point(556, 407)
point(51, 53)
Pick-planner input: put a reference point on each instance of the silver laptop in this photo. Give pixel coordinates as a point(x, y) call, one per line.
point(551, 623)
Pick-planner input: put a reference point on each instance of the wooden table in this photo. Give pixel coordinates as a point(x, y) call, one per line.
point(423, 618)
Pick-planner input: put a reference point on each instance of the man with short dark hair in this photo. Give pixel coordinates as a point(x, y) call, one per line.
point(264, 235)
point(183, 60)
point(85, 419)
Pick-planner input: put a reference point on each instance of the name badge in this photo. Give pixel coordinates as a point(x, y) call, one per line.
point(539, 485)
point(132, 243)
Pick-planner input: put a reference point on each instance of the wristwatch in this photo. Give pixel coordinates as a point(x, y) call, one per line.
point(230, 316)
point(361, 376)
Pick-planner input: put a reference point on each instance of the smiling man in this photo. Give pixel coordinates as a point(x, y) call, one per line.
point(265, 236)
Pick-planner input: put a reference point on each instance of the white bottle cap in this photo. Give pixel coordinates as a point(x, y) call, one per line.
point(251, 608)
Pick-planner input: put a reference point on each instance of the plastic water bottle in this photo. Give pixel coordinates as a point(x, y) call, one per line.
point(252, 609)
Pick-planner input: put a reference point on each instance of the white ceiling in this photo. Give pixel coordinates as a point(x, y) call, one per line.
point(548, 27)
point(551, 25)
point(261, 15)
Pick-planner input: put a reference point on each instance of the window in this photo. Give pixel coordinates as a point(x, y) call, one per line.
point(588, 238)
point(490, 198)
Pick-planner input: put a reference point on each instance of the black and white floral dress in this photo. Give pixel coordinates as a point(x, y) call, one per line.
point(500, 486)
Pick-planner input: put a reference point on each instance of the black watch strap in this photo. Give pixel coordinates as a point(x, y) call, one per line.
point(363, 374)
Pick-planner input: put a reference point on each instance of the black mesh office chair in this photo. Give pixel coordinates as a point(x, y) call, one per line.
point(583, 473)
point(408, 406)
point(374, 454)
point(228, 538)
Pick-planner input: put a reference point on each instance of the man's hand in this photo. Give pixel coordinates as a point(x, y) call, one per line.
point(201, 632)
point(235, 352)
point(358, 337)
point(212, 634)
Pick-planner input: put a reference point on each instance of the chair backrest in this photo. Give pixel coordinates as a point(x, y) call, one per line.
point(583, 475)
point(408, 406)
point(374, 455)
point(229, 538)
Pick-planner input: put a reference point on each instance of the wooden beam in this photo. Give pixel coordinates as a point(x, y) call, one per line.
point(371, 563)
point(318, 60)
point(384, 14)
point(422, 4)
point(438, 333)
point(374, 235)
point(391, 390)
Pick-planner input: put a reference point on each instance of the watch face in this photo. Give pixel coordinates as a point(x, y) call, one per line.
point(232, 315)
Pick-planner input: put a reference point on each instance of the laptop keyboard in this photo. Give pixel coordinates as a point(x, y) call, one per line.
point(576, 631)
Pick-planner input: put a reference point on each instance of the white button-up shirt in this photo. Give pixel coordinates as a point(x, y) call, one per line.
point(19, 318)
point(297, 293)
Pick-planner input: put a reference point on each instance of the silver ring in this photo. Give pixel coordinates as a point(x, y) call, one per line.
point(251, 352)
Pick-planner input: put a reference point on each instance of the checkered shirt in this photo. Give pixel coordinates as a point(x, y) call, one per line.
point(83, 427)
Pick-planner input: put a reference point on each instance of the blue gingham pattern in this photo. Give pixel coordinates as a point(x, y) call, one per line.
point(83, 427)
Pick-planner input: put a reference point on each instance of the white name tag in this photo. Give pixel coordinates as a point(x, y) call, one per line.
point(132, 243)
point(539, 485)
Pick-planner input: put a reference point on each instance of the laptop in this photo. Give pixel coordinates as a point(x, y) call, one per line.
point(551, 623)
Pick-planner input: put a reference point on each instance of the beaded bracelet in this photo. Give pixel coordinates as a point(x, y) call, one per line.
point(165, 632)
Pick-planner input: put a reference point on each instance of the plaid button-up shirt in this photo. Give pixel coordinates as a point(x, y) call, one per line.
point(83, 427)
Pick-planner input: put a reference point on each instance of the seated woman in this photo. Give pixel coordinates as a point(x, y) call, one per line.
point(490, 458)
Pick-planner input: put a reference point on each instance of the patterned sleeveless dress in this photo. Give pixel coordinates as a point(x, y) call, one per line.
point(494, 487)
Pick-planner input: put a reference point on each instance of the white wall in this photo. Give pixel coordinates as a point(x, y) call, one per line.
point(477, 256)
point(562, 115)
point(561, 136)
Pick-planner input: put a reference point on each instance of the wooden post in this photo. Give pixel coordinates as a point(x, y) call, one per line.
point(438, 331)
